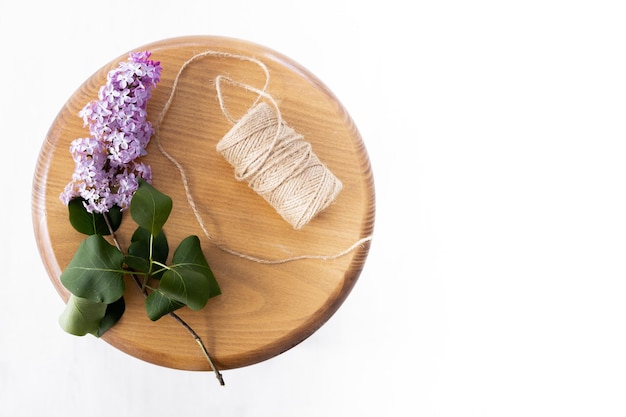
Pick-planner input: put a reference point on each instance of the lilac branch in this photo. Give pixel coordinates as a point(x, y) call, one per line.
point(107, 171)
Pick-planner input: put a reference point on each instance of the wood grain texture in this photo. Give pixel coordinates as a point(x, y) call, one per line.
point(263, 309)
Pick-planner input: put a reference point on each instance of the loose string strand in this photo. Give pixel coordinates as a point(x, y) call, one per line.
point(168, 103)
point(261, 94)
point(218, 54)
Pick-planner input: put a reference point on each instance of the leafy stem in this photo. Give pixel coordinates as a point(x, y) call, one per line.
point(163, 266)
point(188, 328)
point(95, 274)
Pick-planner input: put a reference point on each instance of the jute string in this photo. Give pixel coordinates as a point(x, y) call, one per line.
point(279, 165)
point(273, 158)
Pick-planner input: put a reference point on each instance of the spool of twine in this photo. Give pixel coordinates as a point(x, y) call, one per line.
point(279, 165)
point(274, 159)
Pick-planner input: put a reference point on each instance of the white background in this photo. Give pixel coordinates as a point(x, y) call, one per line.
point(495, 285)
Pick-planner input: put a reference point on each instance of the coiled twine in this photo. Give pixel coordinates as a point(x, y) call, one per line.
point(279, 165)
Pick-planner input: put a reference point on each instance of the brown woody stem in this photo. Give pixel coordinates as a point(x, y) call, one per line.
point(173, 315)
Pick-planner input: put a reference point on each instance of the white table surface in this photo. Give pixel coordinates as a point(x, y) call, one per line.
point(496, 281)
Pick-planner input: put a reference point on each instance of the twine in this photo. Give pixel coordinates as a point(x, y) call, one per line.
point(279, 165)
point(273, 158)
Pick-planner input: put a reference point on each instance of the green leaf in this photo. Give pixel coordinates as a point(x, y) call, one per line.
point(139, 250)
point(157, 305)
point(150, 208)
point(92, 223)
point(185, 286)
point(189, 281)
point(114, 312)
point(137, 264)
point(95, 272)
point(82, 316)
point(189, 254)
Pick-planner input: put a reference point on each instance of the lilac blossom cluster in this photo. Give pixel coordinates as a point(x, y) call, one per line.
point(107, 170)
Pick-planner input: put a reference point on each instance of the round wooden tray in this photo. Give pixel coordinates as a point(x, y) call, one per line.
point(263, 309)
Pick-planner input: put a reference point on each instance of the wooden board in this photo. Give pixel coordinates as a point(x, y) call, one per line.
point(263, 309)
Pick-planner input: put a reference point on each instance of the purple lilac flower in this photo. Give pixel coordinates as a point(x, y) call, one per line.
point(107, 172)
